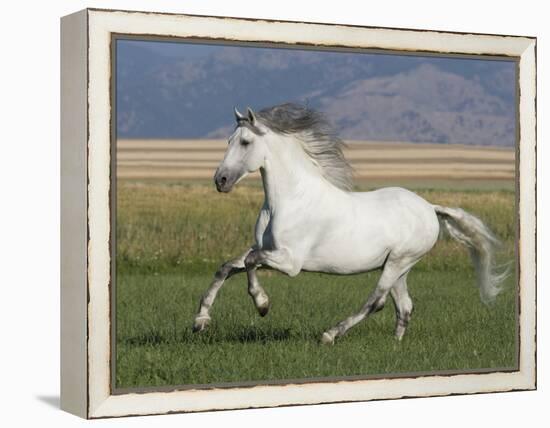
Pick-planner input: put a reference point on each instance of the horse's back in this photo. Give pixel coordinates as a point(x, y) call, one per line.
point(396, 200)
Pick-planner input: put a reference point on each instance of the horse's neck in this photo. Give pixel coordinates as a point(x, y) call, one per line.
point(291, 180)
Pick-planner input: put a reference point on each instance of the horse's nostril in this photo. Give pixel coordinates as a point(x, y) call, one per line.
point(223, 180)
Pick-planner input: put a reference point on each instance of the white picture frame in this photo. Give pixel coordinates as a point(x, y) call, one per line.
point(86, 223)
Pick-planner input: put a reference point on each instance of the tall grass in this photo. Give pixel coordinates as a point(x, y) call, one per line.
point(161, 226)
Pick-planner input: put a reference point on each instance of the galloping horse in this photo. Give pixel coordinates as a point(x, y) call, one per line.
point(312, 221)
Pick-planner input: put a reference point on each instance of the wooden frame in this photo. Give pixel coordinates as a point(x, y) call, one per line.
point(86, 222)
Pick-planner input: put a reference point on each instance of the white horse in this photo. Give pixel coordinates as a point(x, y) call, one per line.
point(312, 221)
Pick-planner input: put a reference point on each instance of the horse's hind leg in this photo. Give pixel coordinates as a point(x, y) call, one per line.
point(403, 305)
point(393, 270)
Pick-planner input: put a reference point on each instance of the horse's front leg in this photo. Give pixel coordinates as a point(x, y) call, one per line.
point(277, 259)
point(228, 269)
point(258, 294)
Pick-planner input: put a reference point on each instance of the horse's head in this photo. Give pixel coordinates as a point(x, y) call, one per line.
point(245, 152)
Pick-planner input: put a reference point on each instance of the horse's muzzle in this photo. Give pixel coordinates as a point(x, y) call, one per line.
point(224, 182)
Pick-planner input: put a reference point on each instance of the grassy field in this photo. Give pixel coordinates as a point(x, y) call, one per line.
point(168, 248)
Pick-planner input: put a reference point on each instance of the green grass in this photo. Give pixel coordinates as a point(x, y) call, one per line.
point(168, 246)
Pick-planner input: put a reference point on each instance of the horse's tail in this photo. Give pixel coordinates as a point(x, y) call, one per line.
point(472, 232)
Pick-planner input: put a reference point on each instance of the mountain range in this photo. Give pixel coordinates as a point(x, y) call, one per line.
point(365, 96)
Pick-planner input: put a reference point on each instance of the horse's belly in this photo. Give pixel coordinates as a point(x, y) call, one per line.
point(344, 260)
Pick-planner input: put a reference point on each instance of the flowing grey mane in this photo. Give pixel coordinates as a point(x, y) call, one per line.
point(318, 139)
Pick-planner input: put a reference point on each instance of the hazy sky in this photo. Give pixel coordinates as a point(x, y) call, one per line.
point(187, 50)
point(201, 50)
point(173, 90)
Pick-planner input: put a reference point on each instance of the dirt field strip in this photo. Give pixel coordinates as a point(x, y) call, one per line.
point(197, 159)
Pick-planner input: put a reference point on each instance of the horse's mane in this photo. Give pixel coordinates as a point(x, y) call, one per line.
point(317, 138)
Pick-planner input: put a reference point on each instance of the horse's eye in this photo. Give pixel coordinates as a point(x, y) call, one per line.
point(245, 142)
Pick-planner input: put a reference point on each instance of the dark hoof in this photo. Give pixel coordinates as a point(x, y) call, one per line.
point(263, 311)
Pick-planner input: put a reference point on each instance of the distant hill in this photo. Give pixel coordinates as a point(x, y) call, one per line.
point(366, 96)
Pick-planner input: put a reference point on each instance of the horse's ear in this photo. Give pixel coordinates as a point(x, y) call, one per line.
point(238, 115)
point(251, 116)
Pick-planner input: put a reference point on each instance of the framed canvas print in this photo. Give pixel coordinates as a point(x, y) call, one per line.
point(263, 213)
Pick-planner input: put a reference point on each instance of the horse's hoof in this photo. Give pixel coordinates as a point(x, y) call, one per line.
point(327, 338)
point(262, 303)
point(263, 310)
point(200, 324)
point(399, 333)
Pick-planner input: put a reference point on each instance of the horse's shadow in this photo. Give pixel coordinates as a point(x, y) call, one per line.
point(256, 335)
point(148, 338)
point(242, 334)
